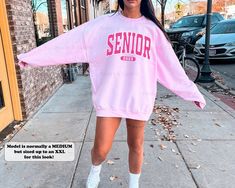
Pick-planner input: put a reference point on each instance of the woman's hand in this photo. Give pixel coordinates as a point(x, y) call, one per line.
point(22, 64)
point(197, 103)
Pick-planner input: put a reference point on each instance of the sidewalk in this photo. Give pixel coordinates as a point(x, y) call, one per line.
point(203, 154)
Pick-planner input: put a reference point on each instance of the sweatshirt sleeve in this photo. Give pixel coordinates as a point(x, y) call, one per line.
point(171, 74)
point(66, 48)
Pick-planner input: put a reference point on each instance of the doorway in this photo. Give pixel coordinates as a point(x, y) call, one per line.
point(10, 105)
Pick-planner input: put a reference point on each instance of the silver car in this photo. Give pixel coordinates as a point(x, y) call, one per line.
point(222, 42)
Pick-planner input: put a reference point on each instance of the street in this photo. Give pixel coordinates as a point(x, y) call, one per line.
point(224, 73)
point(224, 69)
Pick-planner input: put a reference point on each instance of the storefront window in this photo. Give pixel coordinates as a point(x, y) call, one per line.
point(41, 21)
point(71, 18)
point(64, 16)
point(83, 11)
point(74, 12)
point(69, 14)
point(83, 3)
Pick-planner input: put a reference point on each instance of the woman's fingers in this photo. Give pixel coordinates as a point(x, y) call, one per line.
point(22, 64)
point(197, 103)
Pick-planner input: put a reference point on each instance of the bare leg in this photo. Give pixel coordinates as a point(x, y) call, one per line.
point(135, 140)
point(106, 128)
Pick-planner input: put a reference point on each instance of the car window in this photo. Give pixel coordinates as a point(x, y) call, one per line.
point(195, 21)
point(220, 17)
point(224, 28)
point(214, 19)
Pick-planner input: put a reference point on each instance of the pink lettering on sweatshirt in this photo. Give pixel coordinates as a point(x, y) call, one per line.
point(129, 42)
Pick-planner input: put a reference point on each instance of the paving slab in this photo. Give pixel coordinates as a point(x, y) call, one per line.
point(54, 127)
point(71, 97)
point(184, 105)
point(197, 125)
point(80, 87)
point(162, 91)
point(68, 104)
point(37, 174)
point(169, 173)
point(167, 98)
point(216, 160)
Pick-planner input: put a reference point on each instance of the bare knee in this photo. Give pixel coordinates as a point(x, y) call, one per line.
point(135, 136)
point(136, 145)
point(99, 153)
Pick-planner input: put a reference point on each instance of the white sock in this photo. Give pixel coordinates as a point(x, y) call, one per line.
point(95, 169)
point(134, 180)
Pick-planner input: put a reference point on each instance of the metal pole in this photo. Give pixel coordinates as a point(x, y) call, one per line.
point(205, 76)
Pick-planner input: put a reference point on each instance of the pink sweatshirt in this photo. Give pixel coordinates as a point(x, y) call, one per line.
point(126, 56)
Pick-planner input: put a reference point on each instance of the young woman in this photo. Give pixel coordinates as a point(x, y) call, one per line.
point(127, 52)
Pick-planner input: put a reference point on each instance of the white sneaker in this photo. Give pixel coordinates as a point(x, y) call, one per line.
point(92, 181)
point(94, 176)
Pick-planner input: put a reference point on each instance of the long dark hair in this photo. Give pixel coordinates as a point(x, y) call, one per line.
point(146, 9)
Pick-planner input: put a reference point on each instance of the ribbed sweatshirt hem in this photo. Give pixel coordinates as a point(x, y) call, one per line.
point(112, 113)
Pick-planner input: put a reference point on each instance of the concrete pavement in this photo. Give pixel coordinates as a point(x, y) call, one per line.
point(202, 155)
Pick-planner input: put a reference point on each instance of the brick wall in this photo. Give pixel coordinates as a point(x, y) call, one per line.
point(36, 85)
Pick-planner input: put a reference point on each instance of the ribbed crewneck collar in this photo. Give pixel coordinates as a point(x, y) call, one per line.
point(129, 19)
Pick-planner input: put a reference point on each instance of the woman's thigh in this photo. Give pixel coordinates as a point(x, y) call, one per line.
point(106, 128)
point(135, 132)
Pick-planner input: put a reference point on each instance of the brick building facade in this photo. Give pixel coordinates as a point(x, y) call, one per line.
point(36, 85)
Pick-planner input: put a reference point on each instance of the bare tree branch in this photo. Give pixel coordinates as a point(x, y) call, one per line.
point(163, 6)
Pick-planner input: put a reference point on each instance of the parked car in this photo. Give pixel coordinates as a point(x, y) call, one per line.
point(222, 42)
point(191, 28)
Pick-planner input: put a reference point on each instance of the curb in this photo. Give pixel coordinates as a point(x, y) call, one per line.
point(217, 101)
point(225, 87)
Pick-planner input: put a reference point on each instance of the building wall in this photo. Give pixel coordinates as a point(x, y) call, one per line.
point(36, 85)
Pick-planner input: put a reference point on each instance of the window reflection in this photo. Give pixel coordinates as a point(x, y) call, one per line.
point(64, 15)
point(41, 21)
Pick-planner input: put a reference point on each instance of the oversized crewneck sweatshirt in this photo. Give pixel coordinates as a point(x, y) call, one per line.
point(127, 57)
